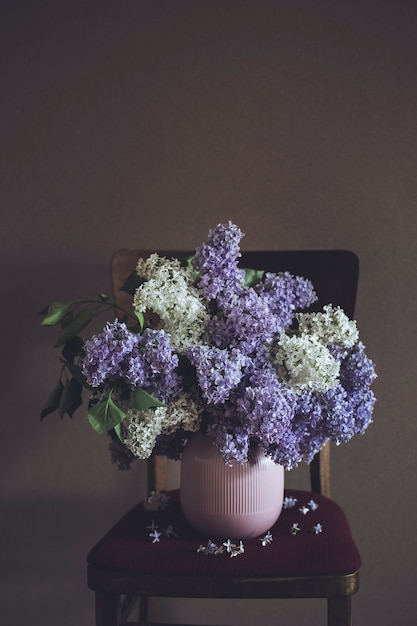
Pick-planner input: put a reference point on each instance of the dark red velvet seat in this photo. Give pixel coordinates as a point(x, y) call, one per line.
point(129, 547)
point(302, 564)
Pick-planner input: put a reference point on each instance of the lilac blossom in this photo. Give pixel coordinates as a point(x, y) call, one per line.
point(241, 363)
point(287, 451)
point(216, 260)
point(112, 354)
point(245, 321)
point(308, 426)
point(267, 405)
point(259, 411)
point(234, 446)
point(146, 361)
point(160, 364)
point(357, 371)
point(218, 371)
point(285, 294)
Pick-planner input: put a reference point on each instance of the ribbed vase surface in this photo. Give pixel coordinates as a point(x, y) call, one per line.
point(230, 502)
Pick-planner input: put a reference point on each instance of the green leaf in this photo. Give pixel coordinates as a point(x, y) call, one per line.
point(72, 348)
point(53, 400)
point(252, 277)
point(79, 321)
point(102, 297)
point(105, 415)
point(141, 319)
point(76, 372)
point(54, 313)
point(118, 430)
point(190, 265)
point(141, 400)
point(71, 398)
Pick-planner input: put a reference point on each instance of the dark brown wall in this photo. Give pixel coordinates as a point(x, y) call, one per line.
point(144, 124)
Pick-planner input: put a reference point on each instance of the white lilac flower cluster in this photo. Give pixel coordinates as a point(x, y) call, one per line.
point(304, 358)
point(235, 358)
point(142, 428)
point(169, 292)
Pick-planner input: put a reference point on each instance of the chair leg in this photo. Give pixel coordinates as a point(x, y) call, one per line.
point(126, 607)
point(339, 611)
point(143, 609)
point(107, 609)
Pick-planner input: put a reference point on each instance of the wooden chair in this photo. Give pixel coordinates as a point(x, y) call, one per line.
point(125, 564)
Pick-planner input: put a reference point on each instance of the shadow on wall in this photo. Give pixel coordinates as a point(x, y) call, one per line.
point(29, 289)
point(47, 523)
point(43, 562)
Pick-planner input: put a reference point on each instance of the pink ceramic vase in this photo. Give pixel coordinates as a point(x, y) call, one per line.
point(237, 502)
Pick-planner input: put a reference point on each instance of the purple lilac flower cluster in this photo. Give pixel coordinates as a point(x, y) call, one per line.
point(233, 372)
point(162, 379)
point(111, 355)
point(337, 414)
point(284, 294)
point(259, 411)
point(216, 261)
point(218, 371)
point(120, 355)
point(245, 316)
point(246, 401)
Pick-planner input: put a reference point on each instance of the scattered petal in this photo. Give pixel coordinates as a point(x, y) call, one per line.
point(295, 528)
point(313, 505)
point(228, 545)
point(155, 536)
point(266, 539)
point(152, 526)
point(236, 550)
point(318, 528)
point(304, 510)
point(289, 502)
point(156, 501)
point(169, 531)
point(209, 548)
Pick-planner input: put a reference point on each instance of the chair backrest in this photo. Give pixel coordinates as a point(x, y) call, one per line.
point(334, 274)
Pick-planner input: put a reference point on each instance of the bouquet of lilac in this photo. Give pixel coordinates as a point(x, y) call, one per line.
point(219, 349)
